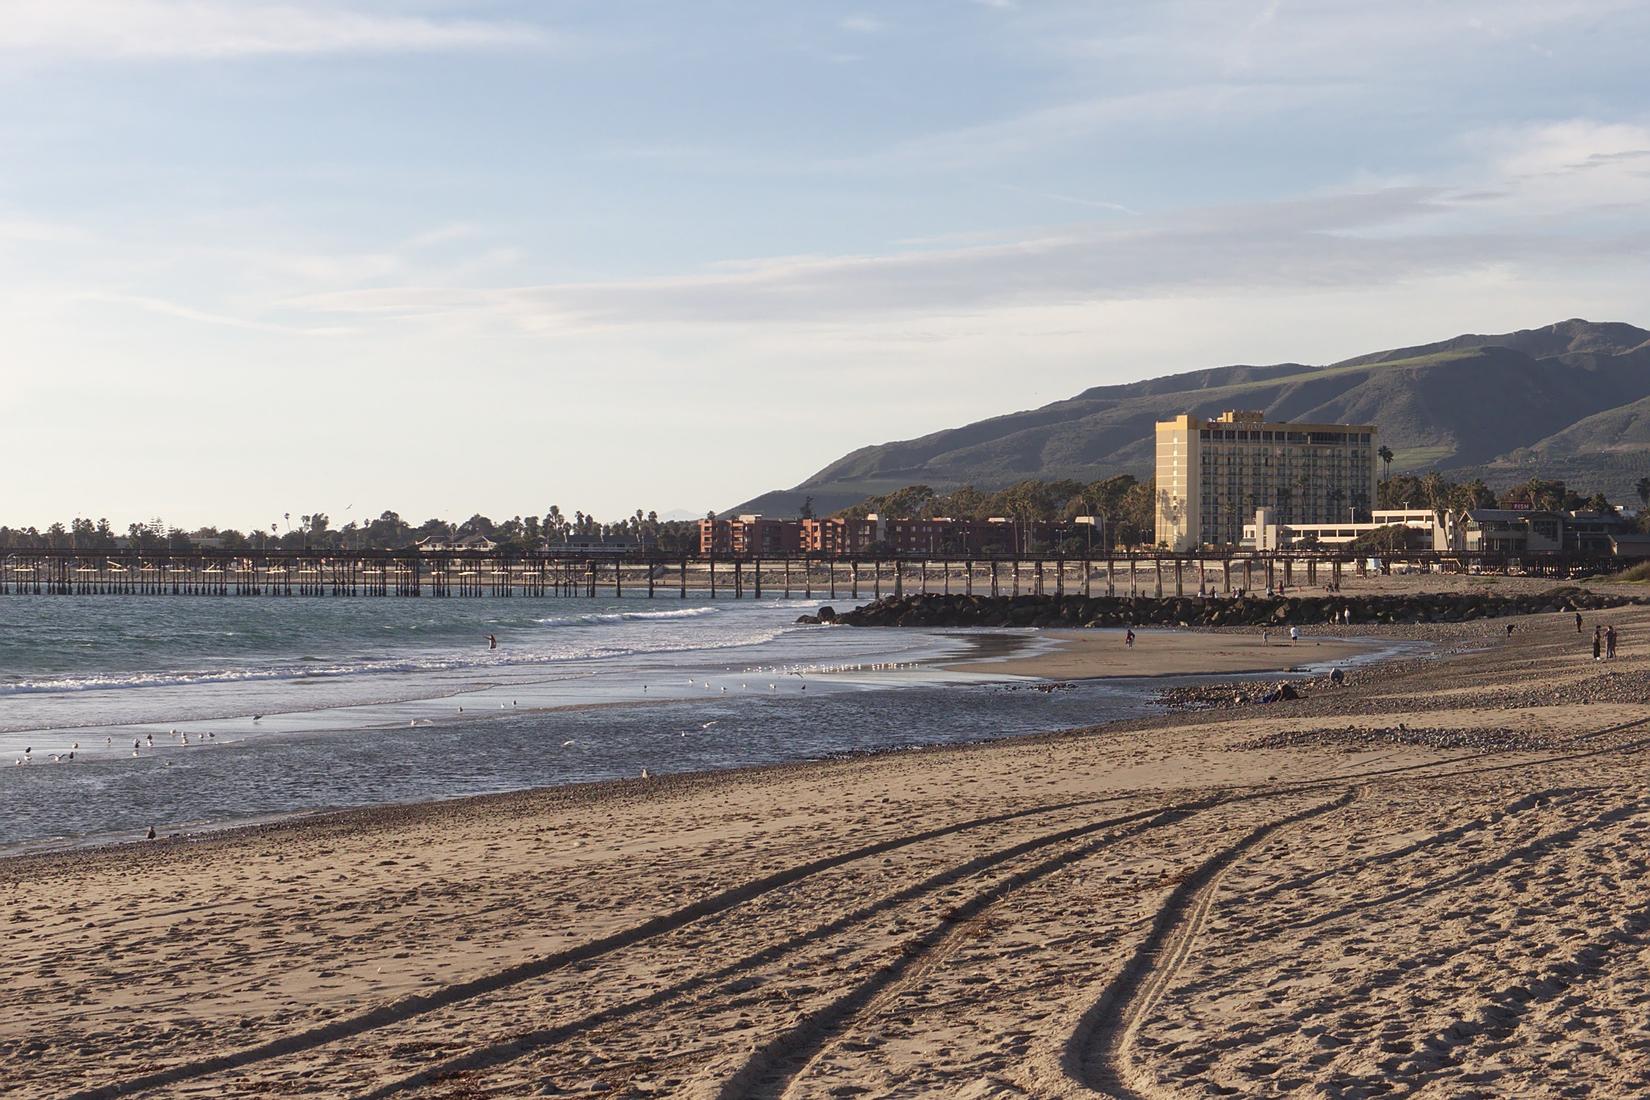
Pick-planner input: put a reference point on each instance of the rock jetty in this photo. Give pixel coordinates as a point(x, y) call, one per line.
point(1249, 610)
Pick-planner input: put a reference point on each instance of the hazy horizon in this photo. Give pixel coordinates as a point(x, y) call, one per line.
point(452, 257)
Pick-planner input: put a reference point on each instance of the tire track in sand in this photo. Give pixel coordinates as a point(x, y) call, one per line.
point(420, 1004)
point(1097, 1053)
point(519, 1045)
point(773, 1068)
point(513, 1047)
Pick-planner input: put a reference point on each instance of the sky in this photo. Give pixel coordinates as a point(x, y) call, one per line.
point(489, 256)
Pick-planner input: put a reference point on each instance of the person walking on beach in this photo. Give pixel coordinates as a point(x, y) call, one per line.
point(1265, 637)
point(1610, 643)
point(1598, 639)
point(1128, 639)
point(1294, 635)
point(1578, 622)
point(492, 642)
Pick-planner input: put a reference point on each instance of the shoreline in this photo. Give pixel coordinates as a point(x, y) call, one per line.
point(996, 660)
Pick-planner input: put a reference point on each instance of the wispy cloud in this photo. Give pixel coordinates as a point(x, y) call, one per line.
point(181, 312)
point(1319, 242)
point(1080, 120)
point(861, 24)
point(1569, 167)
point(1073, 200)
point(162, 29)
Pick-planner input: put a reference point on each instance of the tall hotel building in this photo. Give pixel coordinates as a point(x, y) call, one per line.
point(1214, 475)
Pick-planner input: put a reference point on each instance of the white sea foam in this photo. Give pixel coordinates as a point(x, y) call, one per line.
point(595, 617)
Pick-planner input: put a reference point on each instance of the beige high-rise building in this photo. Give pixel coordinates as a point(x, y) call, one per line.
point(1213, 475)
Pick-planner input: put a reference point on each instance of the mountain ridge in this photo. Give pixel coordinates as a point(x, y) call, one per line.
point(1574, 394)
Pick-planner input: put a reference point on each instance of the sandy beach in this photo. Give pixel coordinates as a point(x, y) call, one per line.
point(1431, 881)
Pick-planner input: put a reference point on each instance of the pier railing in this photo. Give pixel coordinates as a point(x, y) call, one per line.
point(519, 574)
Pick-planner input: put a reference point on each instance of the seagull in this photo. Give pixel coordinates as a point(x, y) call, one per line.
point(645, 775)
point(76, 745)
point(257, 717)
point(566, 744)
point(28, 750)
point(151, 835)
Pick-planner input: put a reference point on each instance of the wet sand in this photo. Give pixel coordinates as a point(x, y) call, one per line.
point(1089, 654)
point(1154, 908)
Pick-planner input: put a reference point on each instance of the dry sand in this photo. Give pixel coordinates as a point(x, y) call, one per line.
point(1146, 910)
point(1087, 654)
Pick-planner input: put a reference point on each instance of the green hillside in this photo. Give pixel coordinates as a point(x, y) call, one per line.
point(1576, 394)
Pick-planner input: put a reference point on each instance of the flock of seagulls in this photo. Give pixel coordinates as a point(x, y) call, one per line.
point(139, 745)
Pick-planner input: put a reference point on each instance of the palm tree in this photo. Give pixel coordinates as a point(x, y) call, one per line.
point(1436, 490)
point(1385, 455)
point(1335, 497)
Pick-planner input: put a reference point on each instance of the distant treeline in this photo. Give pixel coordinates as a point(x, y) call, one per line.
point(388, 532)
point(1126, 504)
point(1435, 492)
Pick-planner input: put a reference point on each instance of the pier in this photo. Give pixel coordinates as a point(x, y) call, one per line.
point(468, 574)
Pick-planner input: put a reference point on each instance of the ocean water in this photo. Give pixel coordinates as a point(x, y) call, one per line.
point(189, 712)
